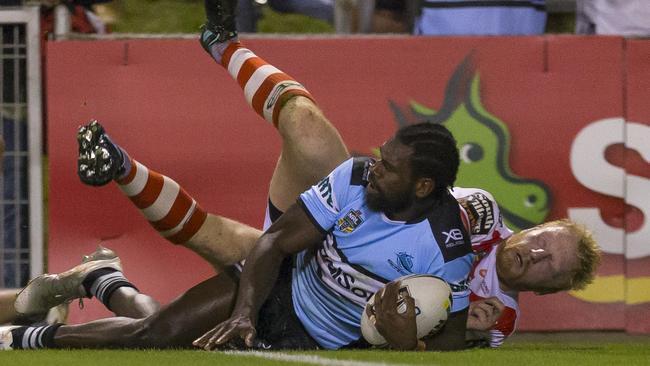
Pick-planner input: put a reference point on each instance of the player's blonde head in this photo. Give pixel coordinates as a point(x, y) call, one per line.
point(588, 253)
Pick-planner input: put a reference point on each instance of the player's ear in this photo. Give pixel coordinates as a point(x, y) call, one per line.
point(424, 186)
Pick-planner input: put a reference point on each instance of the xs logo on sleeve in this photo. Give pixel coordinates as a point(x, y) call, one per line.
point(453, 237)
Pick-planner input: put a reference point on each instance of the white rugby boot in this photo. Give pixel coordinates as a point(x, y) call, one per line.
point(6, 339)
point(49, 290)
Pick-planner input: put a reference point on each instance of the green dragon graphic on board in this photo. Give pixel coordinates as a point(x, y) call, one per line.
point(484, 144)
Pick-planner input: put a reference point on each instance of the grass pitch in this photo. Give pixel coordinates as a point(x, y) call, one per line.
point(550, 349)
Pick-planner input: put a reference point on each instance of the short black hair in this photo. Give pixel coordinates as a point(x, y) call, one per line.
point(435, 154)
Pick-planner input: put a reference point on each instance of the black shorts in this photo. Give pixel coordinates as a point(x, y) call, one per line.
point(278, 323)
point(278, 326)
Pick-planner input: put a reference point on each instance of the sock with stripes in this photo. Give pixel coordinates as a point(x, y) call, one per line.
point(103, 282)
point(266, 88)
point(217, 49)
point(164, 203)
point(34, 337)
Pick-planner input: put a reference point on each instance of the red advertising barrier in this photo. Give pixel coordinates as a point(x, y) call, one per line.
point(558, 120)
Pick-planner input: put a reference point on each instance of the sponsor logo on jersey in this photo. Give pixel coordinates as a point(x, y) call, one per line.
point(341, 277)
point(403, 264)
point(350, 221)
point(484, 288)
point(453, 238)
point(482, 272)
point(326, 193)
point(278, 91)
point(480, 212)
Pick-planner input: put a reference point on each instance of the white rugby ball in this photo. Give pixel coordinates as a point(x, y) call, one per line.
point(433, 300)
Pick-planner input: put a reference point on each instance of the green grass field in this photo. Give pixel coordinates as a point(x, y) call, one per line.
point(601, 349)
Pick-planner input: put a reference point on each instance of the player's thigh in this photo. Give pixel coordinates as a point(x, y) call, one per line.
point(224, 241)
point(192, 314)
point(311, 149)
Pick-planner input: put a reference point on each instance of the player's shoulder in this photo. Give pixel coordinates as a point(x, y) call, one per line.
point(359, 170)
point(446, 225)
point(479, 204)
point(354, 172)
point(483, 215)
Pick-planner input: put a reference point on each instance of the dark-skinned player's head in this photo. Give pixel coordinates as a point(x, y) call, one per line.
point(419, 163)
point(435, 154)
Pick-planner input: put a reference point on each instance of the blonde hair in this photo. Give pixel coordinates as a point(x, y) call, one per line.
point(588, 253)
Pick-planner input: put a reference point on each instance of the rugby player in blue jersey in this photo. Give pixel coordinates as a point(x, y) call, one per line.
point(400, 202)
point(409, 207)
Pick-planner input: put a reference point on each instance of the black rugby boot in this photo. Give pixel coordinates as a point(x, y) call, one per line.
point(100, 160)
point(221, 25)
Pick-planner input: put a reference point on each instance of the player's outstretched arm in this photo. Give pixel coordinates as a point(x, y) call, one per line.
point(290, 234)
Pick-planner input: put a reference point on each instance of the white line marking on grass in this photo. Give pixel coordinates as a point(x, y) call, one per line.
point(314, 360)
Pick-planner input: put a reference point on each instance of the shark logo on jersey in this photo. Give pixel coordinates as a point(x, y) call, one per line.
point(326, 194)
point(350, 221)
point(404, 263)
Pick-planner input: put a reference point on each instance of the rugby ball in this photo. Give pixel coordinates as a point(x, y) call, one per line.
point(433, 300)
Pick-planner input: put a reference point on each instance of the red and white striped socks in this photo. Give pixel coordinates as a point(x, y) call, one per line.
point(265, 87)
point(167, 207)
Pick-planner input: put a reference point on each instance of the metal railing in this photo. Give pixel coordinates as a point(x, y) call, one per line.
point(21, 204)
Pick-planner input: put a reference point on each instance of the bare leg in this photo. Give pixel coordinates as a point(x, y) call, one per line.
point(170, 209)
point(7, 311)
point(222, 241)
point(128, 302)
point(311, 149)
point(175, 325)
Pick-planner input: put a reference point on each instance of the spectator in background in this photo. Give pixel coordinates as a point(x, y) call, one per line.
point(377, 16)
point(488, 17)
point(615, 17)
point(83, 18)
point(319, 9)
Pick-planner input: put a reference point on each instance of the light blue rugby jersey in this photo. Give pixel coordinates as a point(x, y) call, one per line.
point(364, 250)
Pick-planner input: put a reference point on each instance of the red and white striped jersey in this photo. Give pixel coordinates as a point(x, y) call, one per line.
point(484, 283)
point(482, 218)
point(487, 230)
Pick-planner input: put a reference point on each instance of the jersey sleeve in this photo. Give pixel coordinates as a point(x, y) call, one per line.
point(323, 201)
point(484, 218)
point(504, 327)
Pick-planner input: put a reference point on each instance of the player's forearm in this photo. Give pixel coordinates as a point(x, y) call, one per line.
point(258, 277)
point(452, 335)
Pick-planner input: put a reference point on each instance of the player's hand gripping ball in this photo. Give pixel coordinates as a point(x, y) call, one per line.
point(433, 300)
